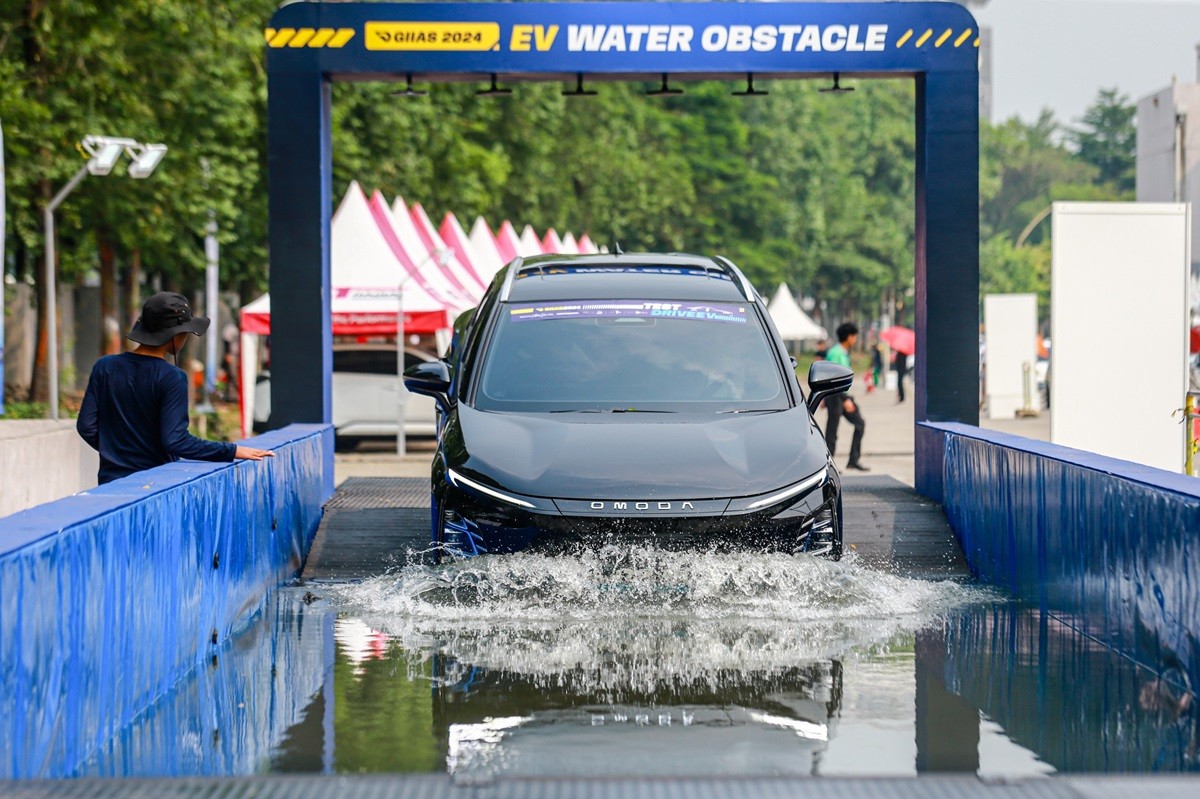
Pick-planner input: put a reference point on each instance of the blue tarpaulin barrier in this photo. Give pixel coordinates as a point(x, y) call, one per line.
point(1109, 545)
point(112, 596)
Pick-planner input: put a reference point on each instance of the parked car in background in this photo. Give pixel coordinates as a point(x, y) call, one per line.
point(365, 386)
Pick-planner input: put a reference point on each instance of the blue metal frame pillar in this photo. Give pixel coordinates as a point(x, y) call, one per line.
point(947, 262)
point(300, 165)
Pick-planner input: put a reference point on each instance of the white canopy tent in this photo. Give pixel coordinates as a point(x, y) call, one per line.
point(793, 323)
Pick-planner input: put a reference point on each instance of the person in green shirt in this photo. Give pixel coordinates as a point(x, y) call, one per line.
point(843, 405)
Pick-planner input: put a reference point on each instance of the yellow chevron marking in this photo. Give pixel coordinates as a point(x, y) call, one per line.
point(963, 37)
point(268, 33)
point(282, 37)
point(341, 37)
point(942, 39)
point(924, 37)
point(322, 38)
point(302, 36)
point(903, 39)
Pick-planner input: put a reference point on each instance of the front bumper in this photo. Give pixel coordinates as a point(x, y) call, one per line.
point(477, 518)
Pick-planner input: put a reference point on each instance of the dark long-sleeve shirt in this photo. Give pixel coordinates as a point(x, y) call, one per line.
point(135, 413)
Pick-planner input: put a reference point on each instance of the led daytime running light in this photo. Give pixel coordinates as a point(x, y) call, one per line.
point(457, 478)
point(810, 483)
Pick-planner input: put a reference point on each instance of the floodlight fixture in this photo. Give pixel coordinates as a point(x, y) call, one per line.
point(409, 91)
point(105, 151)
point(579, 91)
point(146, 160)
point(663, 90)
point(493, 90)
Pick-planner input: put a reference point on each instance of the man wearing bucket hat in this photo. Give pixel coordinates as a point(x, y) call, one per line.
point(135, 410)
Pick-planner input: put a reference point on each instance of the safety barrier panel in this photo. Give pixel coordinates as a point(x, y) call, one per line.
point(112, 596)
point(1108, 545)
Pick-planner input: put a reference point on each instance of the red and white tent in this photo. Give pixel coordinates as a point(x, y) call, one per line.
point(569, 245)
point(459, 272)
point(552, 244)
point(508, 242)
point(368, 289)
point(457, 240)
point(422, 265)
point(530, 244)
point(484, 243)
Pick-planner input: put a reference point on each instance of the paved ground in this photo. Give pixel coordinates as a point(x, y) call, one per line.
point(887, 445)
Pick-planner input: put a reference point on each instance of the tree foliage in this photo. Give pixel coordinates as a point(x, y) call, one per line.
point(800, 186)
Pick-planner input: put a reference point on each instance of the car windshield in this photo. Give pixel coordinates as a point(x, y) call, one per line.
point(630, 355)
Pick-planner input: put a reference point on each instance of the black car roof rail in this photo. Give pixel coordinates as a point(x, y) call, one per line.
point(513, 269)
point(735, 273)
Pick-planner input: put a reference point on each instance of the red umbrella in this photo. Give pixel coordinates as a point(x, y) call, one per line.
point(901, 339)
point(1195, 340)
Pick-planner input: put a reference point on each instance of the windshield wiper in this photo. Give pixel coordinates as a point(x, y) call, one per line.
point(752, 410)
point(638, 410)
point(577, 410)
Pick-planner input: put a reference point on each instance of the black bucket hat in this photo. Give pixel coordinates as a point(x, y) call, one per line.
point(164, 316)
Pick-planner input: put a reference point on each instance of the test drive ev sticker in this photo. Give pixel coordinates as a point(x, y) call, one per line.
point(433, 36)
point(610, 309)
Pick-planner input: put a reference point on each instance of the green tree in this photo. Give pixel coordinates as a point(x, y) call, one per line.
point(1107, 139)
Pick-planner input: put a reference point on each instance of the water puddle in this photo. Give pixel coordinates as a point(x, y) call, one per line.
point(634, 661)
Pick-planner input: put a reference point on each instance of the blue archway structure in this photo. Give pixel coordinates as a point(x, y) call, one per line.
point(310, 45)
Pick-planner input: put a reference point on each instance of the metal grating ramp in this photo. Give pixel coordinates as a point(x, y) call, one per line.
point(371, 525)
point(893, 528)
point(374, 524)
point(442, 787)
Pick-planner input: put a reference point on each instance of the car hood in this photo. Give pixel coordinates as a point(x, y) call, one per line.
point(638, 456)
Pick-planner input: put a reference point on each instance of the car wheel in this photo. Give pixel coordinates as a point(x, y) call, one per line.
point(437, 532)
point(836, 552)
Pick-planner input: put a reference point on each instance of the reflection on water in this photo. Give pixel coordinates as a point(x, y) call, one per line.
point(635, 661)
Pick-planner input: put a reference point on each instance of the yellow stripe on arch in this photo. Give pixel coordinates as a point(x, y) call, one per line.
point(341, 37)
point(282, 37)
point(904, 39)
point(322, 38)
point(963, 37)
point(924, 37)
point(942, 39)
point(302, 36)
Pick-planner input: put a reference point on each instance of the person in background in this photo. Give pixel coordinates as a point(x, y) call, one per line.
point(843, 405)
point(877, 365)
point(900, 364)
point(822, 350)
point(135, 409)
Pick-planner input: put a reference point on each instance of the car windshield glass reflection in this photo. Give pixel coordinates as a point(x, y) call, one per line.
point(630, 355)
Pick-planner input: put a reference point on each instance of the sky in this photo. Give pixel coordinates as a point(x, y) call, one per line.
point(1058, 54)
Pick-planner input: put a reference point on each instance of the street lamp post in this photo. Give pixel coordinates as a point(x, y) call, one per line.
point(104, 152)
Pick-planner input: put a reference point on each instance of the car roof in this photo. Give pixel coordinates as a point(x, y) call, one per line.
point(644, 276)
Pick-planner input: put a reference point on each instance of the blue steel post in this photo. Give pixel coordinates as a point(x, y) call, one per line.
point(947, 262)
point(299, 170)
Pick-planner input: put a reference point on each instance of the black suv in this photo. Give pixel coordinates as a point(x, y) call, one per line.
point(632, 396)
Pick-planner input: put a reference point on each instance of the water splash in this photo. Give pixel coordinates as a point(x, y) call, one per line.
point(639, 620)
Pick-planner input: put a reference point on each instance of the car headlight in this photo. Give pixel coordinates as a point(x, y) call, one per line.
point(457, 479)
point(750, 504)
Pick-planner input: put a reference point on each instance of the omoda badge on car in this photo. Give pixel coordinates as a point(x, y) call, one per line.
point(627, 397)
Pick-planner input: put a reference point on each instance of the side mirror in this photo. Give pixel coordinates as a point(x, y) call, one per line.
point(826, 379)
point(431, 379)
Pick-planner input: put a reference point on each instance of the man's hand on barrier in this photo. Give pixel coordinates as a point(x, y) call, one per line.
point(252, 454)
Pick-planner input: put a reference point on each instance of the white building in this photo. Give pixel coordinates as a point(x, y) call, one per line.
point(1168, 155)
